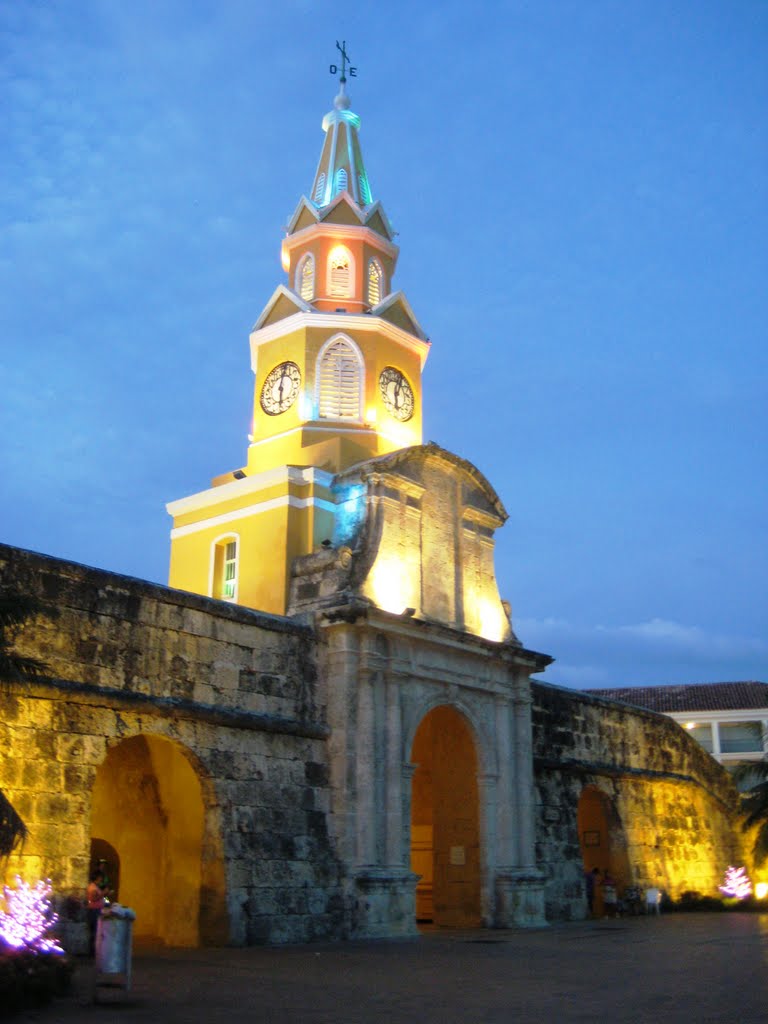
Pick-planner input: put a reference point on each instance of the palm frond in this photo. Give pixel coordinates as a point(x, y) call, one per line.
point(754, 805)
point(19, 667)
point(749, 771)
point(13, 831)
point(760, 848)
point(16, 608)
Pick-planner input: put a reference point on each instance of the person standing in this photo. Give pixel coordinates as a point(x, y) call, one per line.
point(610, 895)
point(591, 882)
point(95, 895)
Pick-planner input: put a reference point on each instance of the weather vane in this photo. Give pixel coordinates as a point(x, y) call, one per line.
point(342, 48)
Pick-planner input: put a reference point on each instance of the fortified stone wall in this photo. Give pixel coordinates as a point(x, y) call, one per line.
point(670, 807)
point(231, 691)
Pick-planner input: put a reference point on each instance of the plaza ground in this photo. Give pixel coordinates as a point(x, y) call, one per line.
point(692, 968)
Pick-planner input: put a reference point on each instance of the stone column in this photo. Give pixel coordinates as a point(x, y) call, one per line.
point(394, 852)
point(341, 672)
point(505, 829)
point(520, 888)
point(365, 770)
point(526, 853)
point(385, 886)
point(487, 784)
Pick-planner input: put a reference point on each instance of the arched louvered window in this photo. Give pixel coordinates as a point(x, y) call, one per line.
point(320, 188)
point(341, 180)
point(374, 283)
point(339, 381)
point(305, 277)
point(340, 272)
point(365, 192)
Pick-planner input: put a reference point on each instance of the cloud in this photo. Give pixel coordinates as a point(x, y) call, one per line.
point(657, 651)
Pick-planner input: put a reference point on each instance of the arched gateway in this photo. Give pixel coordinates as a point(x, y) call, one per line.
point(445, 827)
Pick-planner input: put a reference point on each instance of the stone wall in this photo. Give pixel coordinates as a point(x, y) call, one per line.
point(234, 691)
point(194, 736)
point(670, 806)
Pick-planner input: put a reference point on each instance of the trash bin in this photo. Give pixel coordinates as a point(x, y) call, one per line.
point(114, 940)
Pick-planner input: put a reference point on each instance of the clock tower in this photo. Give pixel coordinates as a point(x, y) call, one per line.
point(337, 357)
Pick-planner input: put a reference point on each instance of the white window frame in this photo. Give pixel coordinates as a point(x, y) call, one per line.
point(373, 262)
point(320, 189)
point(352, 278)
point(341, 175)
point(306, 259)
point(358, 356)
point(219, 545)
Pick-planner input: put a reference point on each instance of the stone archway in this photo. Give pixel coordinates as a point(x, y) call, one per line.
point(602, 840)
point(445, 826)
point(148, 804)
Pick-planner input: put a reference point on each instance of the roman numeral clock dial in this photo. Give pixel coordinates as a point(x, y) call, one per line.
point(397, 393)
point(280, 388)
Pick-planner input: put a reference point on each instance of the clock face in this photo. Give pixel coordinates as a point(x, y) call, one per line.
point(397, 393)
point(280, 388)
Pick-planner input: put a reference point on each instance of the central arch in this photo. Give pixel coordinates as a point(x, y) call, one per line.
point(148, 806)
point(445, 826)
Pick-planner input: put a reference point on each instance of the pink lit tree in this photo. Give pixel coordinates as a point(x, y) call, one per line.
point(736, 884)
point(28, 918)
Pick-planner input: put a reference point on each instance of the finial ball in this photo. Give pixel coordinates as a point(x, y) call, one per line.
point(342, 101)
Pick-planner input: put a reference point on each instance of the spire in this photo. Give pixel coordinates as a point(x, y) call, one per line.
point(341, 167)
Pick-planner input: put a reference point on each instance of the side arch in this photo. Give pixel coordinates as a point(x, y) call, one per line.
point(602, 839)
point(153, 802)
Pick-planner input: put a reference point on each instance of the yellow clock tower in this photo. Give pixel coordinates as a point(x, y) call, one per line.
point(337, 357)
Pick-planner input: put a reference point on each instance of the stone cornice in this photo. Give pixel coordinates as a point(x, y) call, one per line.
point(575, 766)
point(166, 707)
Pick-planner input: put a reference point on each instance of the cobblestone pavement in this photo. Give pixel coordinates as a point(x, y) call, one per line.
point(692, 968)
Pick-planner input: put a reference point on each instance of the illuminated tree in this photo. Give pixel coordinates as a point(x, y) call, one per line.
point(28, 918)
point(736, 884)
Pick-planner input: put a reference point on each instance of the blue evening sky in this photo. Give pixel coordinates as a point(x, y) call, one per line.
point(580, 191)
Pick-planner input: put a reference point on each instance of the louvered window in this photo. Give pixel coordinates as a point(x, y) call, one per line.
point(224, 568)
point(339, 382)
point(374, 283)
point(341, 180)
point(365, 194)
point(320, 188)
point(340, 277)
point(230, 570)
point(306, 278)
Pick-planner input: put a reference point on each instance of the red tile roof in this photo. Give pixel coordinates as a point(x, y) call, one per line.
point(693, 697)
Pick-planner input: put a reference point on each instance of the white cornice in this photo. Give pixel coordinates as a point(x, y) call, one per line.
point(398, 299)
point(252, 510)
point(325, 230)
point(282, 291)
point(298, 476)
point(338, 322)
point(337, 428)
